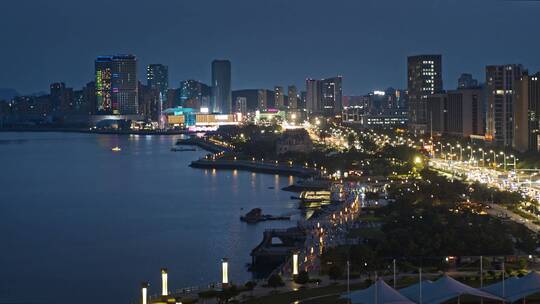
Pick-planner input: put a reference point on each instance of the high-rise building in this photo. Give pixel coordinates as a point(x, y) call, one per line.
point(527, 113)
point(157, 77)
point(240, 105)
point(61, 98)
point(193, 93)
point(456, 113)
point(302, 100)
point(221, 86)
point(262, 100)
point(464, 114)
point(292, 97)
point(124, 85)
point(424, 78)
point(116, 84)
point(252, 98)
point(103, 84)
point(279, 97)
point(173, 99)
point(331, 96)
point(90, 97)
point(313, 96)
point(466, 81)
point(501, 81)
point(150, 106)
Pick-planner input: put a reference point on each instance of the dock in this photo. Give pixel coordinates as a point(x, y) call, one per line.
point(270, 255)
point(255, 166)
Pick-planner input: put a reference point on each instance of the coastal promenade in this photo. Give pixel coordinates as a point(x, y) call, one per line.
point(255, 166)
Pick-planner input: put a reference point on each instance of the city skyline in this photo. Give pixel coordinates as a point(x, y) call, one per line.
point(369, 55)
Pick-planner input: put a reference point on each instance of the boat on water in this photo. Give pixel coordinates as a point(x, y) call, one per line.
point(116, 149)
point(180, 149)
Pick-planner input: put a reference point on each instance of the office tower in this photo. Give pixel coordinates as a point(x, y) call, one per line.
point(124, 85)
point(331, 96)
point(221, 86)
point(527, 113)
point(149, 102)
point(464, 114)
point(251, 96)
point(157, 77)
point(292, 97)
point(313, 96)
point(191, 93)
point(61, 98)
point(262, 100)
point(501, 81)
point(90, 98)
point(173, 99)
point(457, 113)
point(103, 69)
point(302, 100)
point(424, 75)
point(466, 81)
point(116, 84)
point(279, 98)
point(240, 105)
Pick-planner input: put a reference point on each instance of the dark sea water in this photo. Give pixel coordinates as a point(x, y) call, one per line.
point(80, 223)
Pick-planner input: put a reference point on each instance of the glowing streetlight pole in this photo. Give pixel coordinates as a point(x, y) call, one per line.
point(144, 292)
point(164, 288)
point(295, 264)
point(224, 272)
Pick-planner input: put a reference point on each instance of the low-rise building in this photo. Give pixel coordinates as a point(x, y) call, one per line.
point(294, 140)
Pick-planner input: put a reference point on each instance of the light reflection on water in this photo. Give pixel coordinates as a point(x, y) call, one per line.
point(83, 220)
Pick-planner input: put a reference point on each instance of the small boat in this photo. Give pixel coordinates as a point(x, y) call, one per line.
point(116, 149)
point(177, 149)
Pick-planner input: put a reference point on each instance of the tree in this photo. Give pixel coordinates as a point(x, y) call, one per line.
point(275, 281)
point(302, 278)
point(335, 272)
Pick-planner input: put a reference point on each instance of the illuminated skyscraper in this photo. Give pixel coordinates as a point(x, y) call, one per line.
point(502, 84)
point(293, 97)
point(221, 86)
point(527, 114)
point(313, 96)
point(331, 96)
point(103, 68)
point(116, 84)
point(124, 85)
point(424, 79)
point(157, 77)
point(279, 97)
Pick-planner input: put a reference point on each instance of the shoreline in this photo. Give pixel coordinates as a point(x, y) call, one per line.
point(88, 131)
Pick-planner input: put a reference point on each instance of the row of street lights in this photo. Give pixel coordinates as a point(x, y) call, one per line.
point(471, 155)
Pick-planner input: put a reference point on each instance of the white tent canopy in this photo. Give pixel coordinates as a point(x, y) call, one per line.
point(413, 291)
point(377, 293)
point(445, 289)
point(516, 288)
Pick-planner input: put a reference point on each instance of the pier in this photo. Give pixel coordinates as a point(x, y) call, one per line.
point(255, 166)
point(269, 254)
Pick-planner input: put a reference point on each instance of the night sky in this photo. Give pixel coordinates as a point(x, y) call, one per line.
point(270, 42)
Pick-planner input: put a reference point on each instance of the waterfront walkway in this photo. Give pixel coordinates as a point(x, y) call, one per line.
point(255, 166)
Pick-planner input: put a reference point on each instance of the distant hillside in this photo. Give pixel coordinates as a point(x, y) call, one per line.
point(8, 94)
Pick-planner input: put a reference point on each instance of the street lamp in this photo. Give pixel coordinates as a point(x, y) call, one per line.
point(494, 158)
point(144, 292)
point(483, 154)
point(295, 264)
point(224, 272)
point(504, 159)
point(460, 152)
